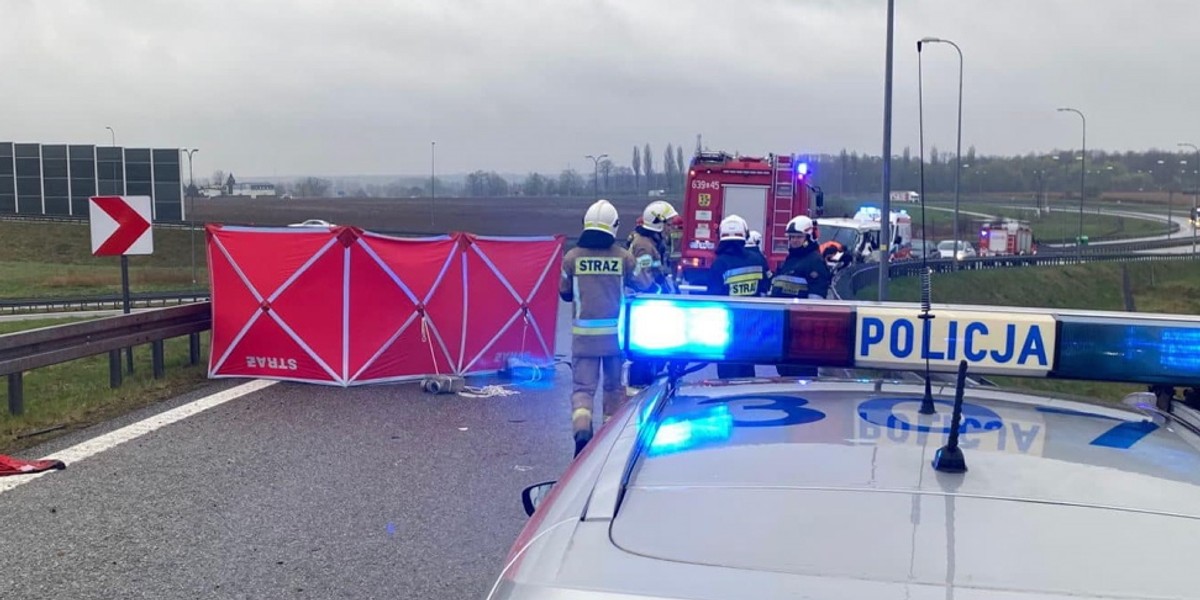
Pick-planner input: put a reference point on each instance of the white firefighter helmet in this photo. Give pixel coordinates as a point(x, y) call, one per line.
point(601, 216)
point(800, 225)
point(754, 239)
point(733, 227)
point(657, 214)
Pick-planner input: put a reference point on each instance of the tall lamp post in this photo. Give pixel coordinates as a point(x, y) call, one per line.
point(596, 172)
point(958, 149)
point(432, 180)
point(113, 133)
point(1082, 176)
point(885, 223)
point(1195, 193)
point(191, 206)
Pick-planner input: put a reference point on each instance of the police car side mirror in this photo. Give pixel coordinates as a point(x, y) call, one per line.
point(533, 495)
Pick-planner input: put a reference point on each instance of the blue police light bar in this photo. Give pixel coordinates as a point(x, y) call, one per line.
point(1083, 345)
point(727, 330)
point(1122, 349)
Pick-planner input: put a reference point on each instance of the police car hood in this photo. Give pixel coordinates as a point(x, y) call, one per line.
point(1059, 499)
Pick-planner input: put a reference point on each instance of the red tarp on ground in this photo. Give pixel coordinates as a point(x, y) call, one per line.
point(16, 466)
point(341, 306)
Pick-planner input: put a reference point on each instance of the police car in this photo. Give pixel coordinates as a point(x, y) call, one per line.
point(879, 487)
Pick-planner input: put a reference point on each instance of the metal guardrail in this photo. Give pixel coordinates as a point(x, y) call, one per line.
point(37, 348)
point(848, 282)
point(199, 225)
point(100, 302)
point(1121, 247)
point(83, 220)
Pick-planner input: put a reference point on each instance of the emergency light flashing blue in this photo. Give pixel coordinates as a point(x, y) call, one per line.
point(1142, 351)
point(802, 169)
point(1093, 345)
point(676, 434)
point(763, 332)
point(666, 327)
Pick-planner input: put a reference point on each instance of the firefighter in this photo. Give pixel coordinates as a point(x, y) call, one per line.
point(834, 253)
point(754, 247)
point(647, 244)
point(735, 272)
point(595, 274)
point(804, 273)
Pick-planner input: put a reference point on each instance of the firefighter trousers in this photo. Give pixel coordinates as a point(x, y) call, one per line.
point(586, 371)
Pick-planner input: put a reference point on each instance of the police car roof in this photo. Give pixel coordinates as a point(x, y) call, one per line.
point(833, 479)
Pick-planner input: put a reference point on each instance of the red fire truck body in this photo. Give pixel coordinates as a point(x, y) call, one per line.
point(1006, 238)
point(766, 192)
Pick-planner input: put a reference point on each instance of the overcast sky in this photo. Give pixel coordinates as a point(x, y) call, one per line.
point(338, 87)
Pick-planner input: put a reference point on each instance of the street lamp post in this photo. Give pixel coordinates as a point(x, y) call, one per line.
point(596, 172)
point(885, 223)
point(113, 133)
point(1195, 193)
point(1082, 176)
point(958, 150)
point(432, 180)
point(191, 206)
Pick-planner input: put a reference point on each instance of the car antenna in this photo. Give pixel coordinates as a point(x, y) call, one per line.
point(949, 458)
point(926, 274)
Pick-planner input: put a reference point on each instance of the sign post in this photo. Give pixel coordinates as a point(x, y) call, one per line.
point(121, 226)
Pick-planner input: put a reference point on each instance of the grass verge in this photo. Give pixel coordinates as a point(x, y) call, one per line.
point(76, 394)
point(54, 259)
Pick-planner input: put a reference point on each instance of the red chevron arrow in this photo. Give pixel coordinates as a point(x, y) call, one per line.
point(130, 226)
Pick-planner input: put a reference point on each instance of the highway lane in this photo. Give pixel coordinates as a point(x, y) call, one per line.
point(294, 491)
point(1186, 247)
point(1185, 226)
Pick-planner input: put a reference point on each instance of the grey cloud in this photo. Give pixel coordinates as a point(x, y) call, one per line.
point(336, 87)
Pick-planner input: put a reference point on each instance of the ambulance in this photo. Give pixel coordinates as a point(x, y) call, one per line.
point(856, 240)
point(765, 191)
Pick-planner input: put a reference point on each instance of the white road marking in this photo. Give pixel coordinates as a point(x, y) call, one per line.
point(133, 431)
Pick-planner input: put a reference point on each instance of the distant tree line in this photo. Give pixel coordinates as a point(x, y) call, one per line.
point(1055, 173)
point(846, 173)
point(607, 177)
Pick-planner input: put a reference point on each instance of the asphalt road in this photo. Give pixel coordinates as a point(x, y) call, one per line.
point(1185, 227)
point(295, 491)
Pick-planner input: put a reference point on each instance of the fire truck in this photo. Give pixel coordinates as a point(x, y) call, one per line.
point(1008, 237)
point(766, 191)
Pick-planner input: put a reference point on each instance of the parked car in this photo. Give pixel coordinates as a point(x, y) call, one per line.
point(924, 248)
point(946, 250)
point(312, 223)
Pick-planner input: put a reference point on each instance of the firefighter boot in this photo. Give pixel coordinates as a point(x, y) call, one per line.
point(586, 375)
point(582, 437)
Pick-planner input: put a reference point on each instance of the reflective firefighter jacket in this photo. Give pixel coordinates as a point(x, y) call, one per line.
point(594, 281)
point(803, 275)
